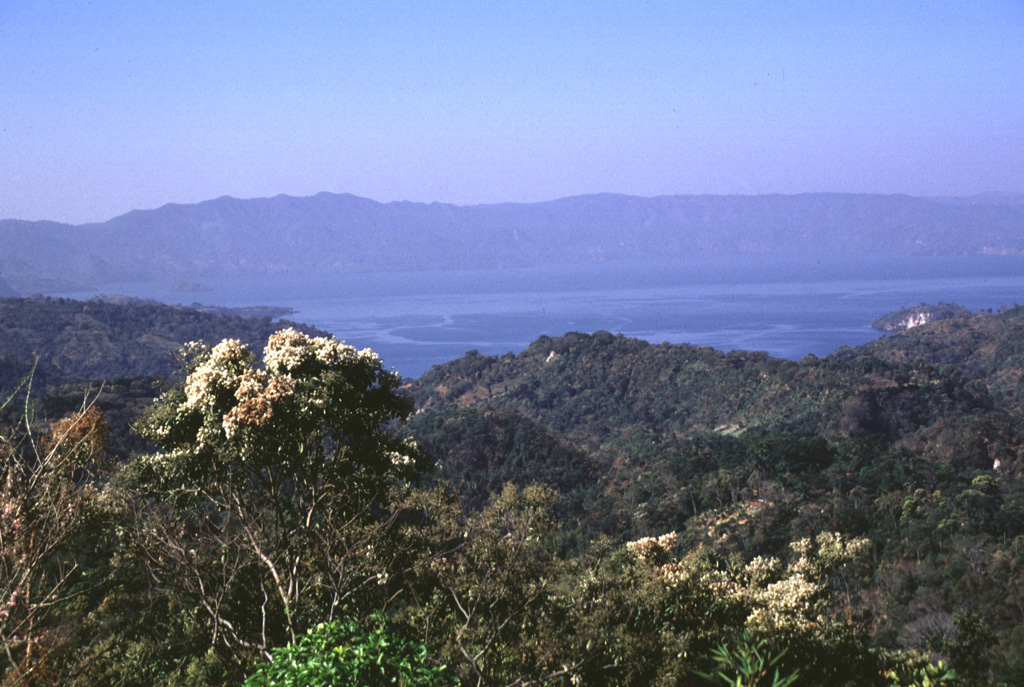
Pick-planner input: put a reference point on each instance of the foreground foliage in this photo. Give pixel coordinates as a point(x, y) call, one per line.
point(337, 653)
point(748, 664)
point(281, 526)
point(52, 515)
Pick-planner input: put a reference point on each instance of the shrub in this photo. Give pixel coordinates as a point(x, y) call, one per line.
point(337, 653)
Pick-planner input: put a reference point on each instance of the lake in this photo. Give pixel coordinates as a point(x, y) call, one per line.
point(787, 307)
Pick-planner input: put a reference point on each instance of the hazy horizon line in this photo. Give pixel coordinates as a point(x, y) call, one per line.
point(981, 194)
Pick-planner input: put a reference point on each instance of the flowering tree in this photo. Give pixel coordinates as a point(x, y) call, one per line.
point(763, 606)
point(265, 505)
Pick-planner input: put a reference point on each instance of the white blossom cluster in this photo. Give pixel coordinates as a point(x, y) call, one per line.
point(404, 456)
point(835, 550)
point(717, 582)
point(773, 605)
point(399, 459)
point(289, 349)
point(220, 370)
point(304, 386)
point(227, 372)
point(648, 548)
point(257, 395)
point(763, 570)
point(778, 598)
point(786, 605)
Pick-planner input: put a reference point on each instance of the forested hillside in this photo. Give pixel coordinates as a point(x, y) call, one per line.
point(78, 340)
point(595, 510)
point(913, 441)
point(985, 348)
point(600, 390)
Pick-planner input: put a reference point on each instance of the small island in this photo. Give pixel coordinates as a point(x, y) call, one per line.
point(907, 318)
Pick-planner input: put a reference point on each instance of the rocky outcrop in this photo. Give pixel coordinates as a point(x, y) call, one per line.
point(908, 318)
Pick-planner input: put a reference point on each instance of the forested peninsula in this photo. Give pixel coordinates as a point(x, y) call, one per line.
point(192, 498)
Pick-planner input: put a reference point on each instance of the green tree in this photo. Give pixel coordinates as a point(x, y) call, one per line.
point(339, 653)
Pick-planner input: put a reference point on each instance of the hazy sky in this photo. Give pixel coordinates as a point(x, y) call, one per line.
point(111, 105)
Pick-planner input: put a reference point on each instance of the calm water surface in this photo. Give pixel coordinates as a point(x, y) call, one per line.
point(785, 307)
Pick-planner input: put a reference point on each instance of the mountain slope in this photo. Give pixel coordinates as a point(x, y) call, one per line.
point(330, 233)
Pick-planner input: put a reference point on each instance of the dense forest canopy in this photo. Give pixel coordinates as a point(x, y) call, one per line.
point(594, 510)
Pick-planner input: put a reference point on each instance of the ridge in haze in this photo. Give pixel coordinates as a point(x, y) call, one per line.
point(332, 233)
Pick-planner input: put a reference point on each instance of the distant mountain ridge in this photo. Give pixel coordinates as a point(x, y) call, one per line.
point(330, 233)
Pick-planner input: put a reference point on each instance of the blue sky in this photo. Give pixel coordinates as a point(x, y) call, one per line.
point(108, 105)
